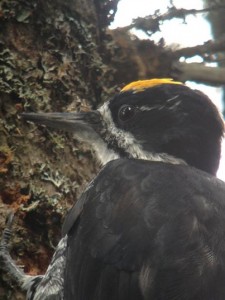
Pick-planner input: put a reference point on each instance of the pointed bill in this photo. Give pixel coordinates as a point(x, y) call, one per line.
point(85, 125)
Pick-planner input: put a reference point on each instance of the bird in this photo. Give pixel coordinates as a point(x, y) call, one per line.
point(151, 224)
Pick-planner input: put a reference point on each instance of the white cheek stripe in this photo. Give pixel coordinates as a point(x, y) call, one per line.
point(127, 142)
point(103, 153)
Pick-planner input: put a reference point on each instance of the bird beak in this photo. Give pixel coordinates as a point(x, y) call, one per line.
point(85, 125)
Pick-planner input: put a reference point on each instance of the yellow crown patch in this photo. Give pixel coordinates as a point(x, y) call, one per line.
point(141, 85)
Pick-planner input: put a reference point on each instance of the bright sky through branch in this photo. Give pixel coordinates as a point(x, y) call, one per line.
point(194, 31)
point(174, 31)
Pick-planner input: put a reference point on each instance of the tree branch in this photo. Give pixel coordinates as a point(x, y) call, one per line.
point(199, 73)
point(151, 24)
point(209, 47)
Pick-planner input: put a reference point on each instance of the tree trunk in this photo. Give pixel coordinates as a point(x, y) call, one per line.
point(54, 56)
point(57, 56)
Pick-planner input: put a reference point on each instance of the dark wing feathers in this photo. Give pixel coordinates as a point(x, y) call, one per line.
point(148, 230)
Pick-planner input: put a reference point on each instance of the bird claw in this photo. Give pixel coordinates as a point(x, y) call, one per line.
point(6, 235)
point(6, 260)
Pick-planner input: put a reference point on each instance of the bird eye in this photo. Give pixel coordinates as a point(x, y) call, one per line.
point(126, 112)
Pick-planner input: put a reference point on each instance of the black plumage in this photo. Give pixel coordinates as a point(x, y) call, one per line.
point(175, 120)
point(142, 236)
point(151, 225)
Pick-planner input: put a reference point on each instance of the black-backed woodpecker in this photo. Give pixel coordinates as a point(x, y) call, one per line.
point(151, 225)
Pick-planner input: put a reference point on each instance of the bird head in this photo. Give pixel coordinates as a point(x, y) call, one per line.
point(156, 119)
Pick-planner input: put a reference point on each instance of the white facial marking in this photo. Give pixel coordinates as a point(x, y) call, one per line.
point(128, 143)
point(170, 104)
point(148, 108)
point(104, 154)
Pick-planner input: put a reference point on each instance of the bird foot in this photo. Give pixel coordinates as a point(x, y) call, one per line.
point(6, 261)
point(6, 236)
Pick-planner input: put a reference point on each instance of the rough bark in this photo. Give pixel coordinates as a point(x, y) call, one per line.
point(57, 56)
point(53, 57)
